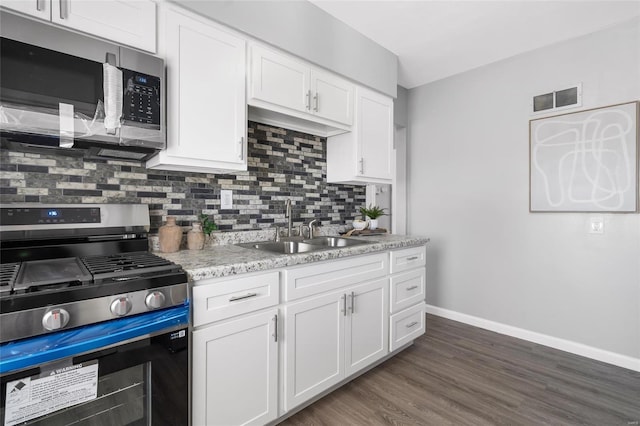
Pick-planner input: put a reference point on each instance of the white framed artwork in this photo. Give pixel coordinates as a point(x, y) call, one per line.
point(585, 161)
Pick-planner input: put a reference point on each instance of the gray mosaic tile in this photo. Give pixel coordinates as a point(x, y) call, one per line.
point(282, 164)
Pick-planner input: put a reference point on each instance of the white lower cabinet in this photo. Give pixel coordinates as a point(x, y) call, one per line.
point(331, 336)
point(235, 371)
point(407, 300)
point(367, 327)
point(407, 325)
point(313, 347)
point(266, 343)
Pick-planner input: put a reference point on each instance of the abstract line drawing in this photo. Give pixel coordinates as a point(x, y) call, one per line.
point(585, 161)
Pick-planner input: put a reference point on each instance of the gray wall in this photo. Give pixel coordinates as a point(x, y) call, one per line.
point(305, 30)
point(468, 173)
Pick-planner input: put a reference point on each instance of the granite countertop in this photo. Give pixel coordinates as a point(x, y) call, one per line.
point(225, 260)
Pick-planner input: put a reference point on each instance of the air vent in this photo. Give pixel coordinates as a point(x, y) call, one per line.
point(570, 97)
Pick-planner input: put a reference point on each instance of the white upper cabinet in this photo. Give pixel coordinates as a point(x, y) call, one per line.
point(365, 155)
point(288, 85)
point(279, 79)
point(206, 97)
point(36, 8)
point(331, 97)
point(129, 22)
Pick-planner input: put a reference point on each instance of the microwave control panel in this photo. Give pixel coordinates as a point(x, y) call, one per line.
point(141, 100)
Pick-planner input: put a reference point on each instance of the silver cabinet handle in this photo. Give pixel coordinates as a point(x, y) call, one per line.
point(40, 5)
point(64, 9)
point(275, 328)
point(353, 303)
point(308, 103)
point(361, 165)
point(246, 296)
point(241, 154)
point(344, 305)
point(315, 98)
point(413, 287)
point(409, 259)
point(412, 324)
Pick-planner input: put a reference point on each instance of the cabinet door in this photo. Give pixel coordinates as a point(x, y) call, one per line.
point(332, 97)
point(206, 102)
point(37, 8)
point(280, 80)
point(367, 325)
point(235, 370)
point(313, 347)
point(128, 22)
point(375, 134)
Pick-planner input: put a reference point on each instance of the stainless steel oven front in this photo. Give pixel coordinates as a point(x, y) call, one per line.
point(93, 327)
point(129, 371)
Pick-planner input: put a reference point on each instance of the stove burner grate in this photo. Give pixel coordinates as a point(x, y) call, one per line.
point(125, 264)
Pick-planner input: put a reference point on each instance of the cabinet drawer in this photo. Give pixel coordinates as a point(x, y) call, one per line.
point(407, 289)
point(405, 259)
point(406, 326)
point(309, 280)
point(236, 296)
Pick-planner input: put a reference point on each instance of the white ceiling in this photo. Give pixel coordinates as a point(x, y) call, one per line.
point(437, 39)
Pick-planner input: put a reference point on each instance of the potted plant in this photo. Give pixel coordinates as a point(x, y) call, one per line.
point(371, 214)
point(208, 225)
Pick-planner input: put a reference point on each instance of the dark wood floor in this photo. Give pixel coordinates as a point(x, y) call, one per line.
point(457, 374)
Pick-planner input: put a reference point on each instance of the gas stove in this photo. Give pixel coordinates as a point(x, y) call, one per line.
point(66, 266)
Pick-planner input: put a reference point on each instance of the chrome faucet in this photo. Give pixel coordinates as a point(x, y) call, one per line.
point(312, 225)
point(288, 215)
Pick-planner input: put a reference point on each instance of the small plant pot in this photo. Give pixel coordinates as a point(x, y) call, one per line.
point(373, 224)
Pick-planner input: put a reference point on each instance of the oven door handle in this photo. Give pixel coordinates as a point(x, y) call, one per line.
point(94, 355)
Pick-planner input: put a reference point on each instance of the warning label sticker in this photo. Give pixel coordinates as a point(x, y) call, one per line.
point(48, 392)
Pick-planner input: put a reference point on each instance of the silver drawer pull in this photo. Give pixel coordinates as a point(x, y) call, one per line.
point(412, 258)
point(412, 324)
point(246, 296)
point(413, 287)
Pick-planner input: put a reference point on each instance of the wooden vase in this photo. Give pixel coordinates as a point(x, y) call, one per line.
point(195, 237)
point(170, 236)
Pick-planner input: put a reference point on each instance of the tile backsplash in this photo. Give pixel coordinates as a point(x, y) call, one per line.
point(282, 164)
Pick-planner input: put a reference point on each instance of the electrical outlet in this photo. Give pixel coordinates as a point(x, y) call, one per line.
point(226, 199)
point(596, 225)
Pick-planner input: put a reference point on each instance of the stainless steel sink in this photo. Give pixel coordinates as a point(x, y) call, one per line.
point(305, 246)
point(334, 242)
point(287, 247)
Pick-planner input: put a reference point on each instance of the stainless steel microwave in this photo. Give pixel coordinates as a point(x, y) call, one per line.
point(64, 90)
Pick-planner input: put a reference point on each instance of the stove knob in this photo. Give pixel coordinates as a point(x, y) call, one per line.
point(55, 319)
point(154, 300)
point(121, 306)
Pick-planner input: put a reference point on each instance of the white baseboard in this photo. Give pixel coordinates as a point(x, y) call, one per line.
point(542, 339)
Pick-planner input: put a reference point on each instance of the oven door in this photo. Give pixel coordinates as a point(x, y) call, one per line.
point(142, 379)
